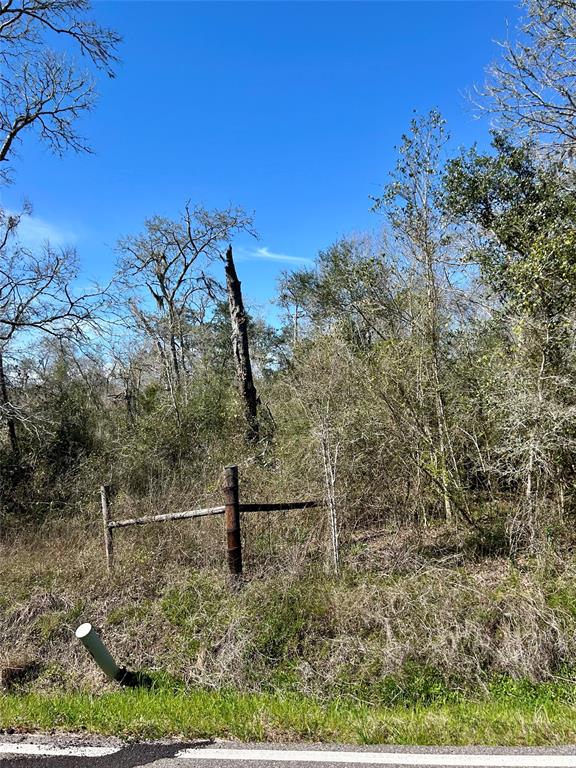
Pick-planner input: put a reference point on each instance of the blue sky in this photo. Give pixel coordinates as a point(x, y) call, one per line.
point(289, 109)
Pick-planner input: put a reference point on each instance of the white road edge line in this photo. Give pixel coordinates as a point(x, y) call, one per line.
point(383, 758)
point(48, 750)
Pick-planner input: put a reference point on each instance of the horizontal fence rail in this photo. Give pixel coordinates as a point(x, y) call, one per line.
point(232, 510)
point(280, 507)
point(169, 516)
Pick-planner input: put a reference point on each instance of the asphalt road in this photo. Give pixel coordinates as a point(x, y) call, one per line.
point(74, 752)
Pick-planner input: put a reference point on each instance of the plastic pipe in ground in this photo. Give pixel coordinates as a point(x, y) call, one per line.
point(101, 655)
point(96, 648)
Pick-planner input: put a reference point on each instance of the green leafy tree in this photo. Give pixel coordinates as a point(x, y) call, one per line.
point(523, 211)
point(352, 290)
point(519, 210)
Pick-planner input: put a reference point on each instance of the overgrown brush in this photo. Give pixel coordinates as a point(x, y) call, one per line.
point(425, 627)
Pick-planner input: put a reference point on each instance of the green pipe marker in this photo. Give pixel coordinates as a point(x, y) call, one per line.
point(102, 656)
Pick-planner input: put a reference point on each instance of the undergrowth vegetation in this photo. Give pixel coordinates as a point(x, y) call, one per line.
point(427, 629)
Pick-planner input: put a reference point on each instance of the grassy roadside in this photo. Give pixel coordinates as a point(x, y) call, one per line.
point(410, 651)
point(502, 721)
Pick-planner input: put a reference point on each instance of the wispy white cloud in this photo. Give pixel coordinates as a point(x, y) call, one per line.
point(266, 254)
point(33, 232)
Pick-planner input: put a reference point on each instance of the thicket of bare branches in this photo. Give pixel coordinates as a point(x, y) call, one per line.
point(41, 88)
point(531, 86)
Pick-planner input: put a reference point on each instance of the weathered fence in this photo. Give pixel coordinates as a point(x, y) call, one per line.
point(231, 509)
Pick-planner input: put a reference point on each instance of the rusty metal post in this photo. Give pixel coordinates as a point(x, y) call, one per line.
point(108, 543)
point(232, 517)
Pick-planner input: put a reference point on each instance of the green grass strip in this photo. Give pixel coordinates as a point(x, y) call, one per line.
point(262, 717)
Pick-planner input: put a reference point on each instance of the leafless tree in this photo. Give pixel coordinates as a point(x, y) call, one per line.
point(422, 237)
point(40, 87)
point(35, 290)
point(37, 297)
point(533, 86)
point(166, 273)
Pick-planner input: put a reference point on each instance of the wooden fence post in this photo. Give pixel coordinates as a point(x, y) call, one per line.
point(232, 517)
point(108, 543)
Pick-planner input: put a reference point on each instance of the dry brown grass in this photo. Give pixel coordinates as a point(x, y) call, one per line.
point(408, 604)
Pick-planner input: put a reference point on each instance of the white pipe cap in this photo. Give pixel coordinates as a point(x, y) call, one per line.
point(83, 630)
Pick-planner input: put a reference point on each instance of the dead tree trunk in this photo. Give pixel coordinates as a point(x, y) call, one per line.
point(241, 349)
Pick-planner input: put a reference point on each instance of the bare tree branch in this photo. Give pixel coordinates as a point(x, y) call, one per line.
point(170, 263)
point(41, 88)
point(532, 89)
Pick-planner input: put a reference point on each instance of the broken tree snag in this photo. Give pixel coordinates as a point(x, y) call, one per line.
point(241, 349)
point(232, 515)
